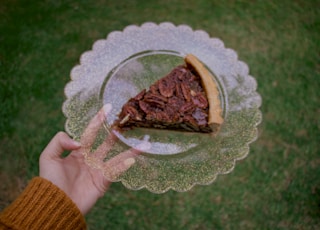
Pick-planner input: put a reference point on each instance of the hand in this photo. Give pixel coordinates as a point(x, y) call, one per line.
point(83, 184)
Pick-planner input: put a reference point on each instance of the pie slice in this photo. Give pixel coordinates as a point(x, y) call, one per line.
point(186, 99)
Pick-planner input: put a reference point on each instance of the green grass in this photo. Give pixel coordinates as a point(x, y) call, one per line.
point(276, 187)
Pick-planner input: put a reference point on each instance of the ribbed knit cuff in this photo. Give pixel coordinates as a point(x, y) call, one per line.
point(42, 205)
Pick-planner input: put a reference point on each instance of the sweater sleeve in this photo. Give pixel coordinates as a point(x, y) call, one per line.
point(42, 205)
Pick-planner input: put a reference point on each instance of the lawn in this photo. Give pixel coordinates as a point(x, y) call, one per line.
point(276, 187)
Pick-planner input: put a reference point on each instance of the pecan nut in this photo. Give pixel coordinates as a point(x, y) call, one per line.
point(166, 87)
point(200, 100)
point(187, 107)
point(186, 91)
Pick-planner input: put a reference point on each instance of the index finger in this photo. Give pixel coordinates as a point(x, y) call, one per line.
point(90, 133)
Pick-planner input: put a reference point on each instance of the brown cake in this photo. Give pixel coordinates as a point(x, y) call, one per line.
point(186, 99)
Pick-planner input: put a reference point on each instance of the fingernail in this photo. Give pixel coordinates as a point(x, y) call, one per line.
point(107, 109)
point(76, 143)
point(130, 161)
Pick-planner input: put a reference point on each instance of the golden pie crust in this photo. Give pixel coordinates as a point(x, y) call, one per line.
point(215, 112)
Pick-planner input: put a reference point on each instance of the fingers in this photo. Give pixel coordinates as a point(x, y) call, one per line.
point(90, 133)
point(58, 144)
point(113, 162)
point(114, 172)
point(118, 164)
point(123, 161)
point(105, 147)
point(131, 153)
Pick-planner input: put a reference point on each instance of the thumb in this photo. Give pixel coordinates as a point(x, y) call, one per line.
point(58, 144)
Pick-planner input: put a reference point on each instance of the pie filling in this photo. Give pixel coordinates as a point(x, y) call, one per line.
point(177, 101)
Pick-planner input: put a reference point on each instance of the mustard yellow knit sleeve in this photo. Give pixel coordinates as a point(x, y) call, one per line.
point(42, 205)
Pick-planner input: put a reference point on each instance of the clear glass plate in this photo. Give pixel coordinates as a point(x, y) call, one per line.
point(119, 67)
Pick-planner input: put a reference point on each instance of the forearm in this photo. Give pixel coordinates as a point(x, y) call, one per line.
point(42, 205)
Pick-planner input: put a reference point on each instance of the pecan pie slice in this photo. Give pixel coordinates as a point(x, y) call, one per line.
point(186, 99)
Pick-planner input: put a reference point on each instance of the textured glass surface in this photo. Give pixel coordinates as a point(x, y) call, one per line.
point(120, 66)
